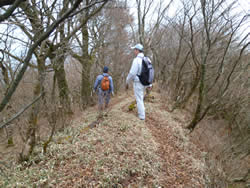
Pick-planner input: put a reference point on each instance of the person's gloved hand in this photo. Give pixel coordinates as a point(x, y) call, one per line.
point(126, 86)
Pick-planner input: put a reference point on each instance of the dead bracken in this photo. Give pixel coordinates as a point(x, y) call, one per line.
point(119, 151)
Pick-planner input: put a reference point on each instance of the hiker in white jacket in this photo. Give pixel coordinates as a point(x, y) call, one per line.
point(138, 87)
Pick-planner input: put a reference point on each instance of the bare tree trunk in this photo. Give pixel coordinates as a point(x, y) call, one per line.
point(85, 58)
point(186, 98)
point(143, 11)
point(63, 86)
point(9, 2)
point(31, 50)
point(197, 114)
point(52, 116)
point(58, 61)
point(86, 65)
point(14, 4)
point(85, 84)
point(9, 129)
point(5, 74)
point(206, 45)
point(31, 137)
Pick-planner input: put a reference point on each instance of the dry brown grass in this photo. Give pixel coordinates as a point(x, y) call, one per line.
point(121, 151)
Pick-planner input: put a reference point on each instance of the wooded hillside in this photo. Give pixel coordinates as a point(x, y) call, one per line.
point(52, 51)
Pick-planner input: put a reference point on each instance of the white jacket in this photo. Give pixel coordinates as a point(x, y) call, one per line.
point(135, 69)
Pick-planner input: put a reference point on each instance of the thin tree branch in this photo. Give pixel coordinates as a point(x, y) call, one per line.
point(86, 19)
point(10, 10)
point(45, 35)
point(234, 66)
point(21, 111)
point(88, 6)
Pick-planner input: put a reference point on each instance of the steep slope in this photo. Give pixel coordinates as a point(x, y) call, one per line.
point(118, 150)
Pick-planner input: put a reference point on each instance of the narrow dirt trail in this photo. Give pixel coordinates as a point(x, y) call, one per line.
point(178, 163)
point(119, 151)
point(182, 163)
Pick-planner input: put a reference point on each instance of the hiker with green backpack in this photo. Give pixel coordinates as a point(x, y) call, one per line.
point(104, 86)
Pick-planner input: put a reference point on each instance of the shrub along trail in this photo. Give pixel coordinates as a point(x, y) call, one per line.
point(120, 151)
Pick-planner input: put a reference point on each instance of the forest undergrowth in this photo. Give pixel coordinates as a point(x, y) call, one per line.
point(117, 150)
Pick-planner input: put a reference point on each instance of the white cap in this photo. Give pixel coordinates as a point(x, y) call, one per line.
point(138, 47)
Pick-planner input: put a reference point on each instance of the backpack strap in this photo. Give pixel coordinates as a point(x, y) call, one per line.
point(142, 58)
point(100, 81)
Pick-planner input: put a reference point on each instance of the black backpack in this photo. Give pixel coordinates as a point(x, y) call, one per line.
point(147, 72)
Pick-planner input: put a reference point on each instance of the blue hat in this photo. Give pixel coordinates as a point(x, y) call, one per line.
point(138, 47)
point(105, 69)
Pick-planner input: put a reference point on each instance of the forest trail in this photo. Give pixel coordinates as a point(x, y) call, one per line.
point(119, 150)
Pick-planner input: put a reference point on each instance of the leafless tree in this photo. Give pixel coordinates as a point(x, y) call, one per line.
point(147, 24)
point(199, 69)
point(42, 24)
point(14, 4)
point(38, 40)
point(212, 35)
point(111, 41)
point(85, 58)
